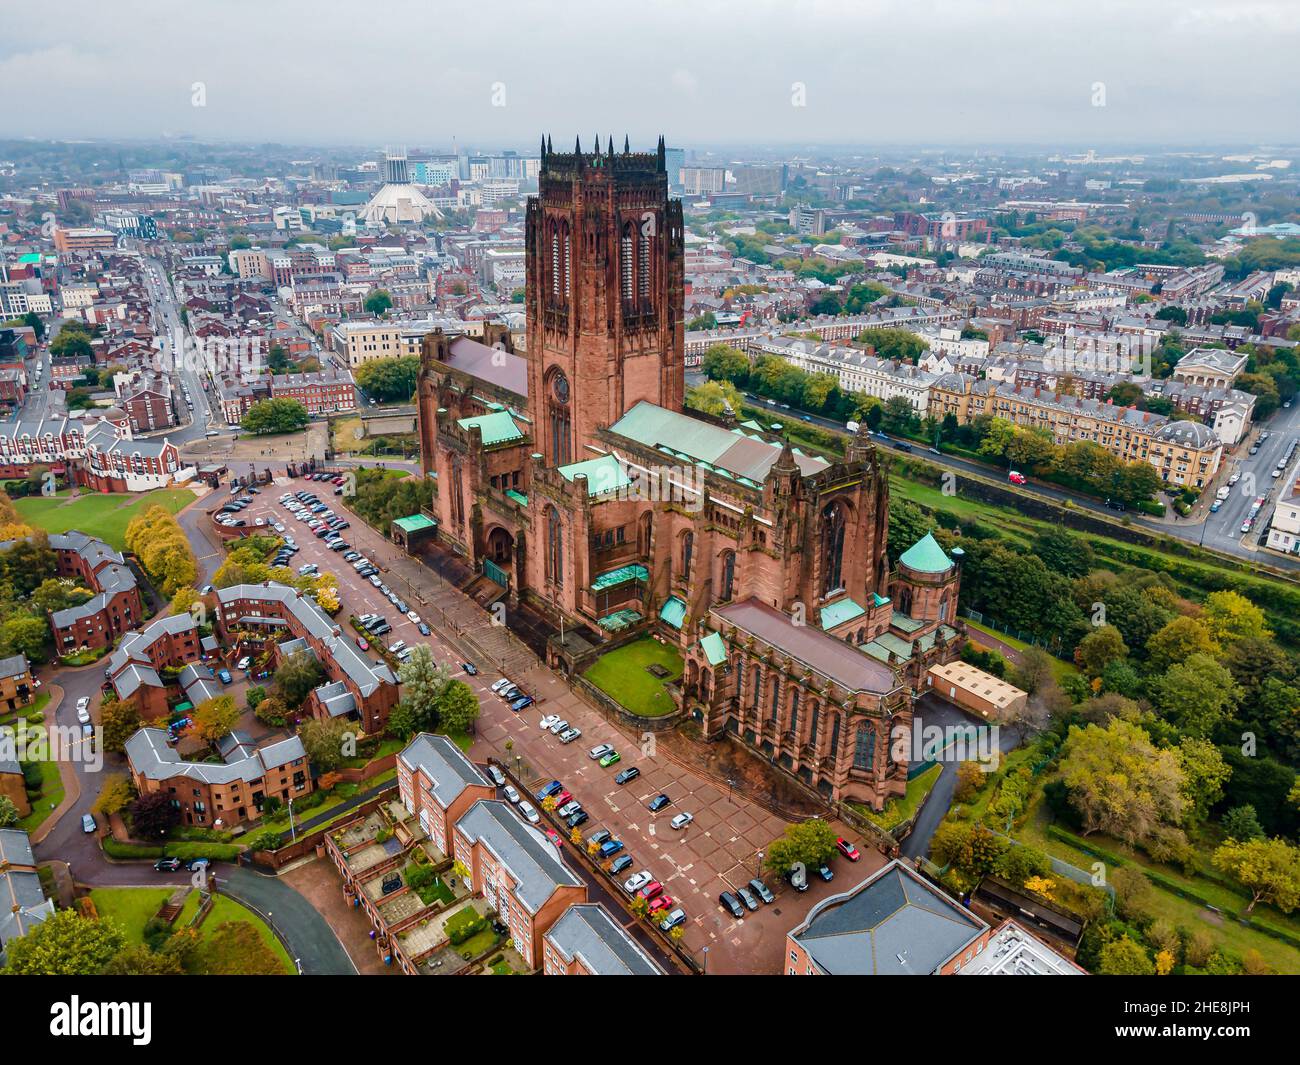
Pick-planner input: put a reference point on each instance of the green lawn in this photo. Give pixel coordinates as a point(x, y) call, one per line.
point(133, 907)
point(104, 516)
point(50, 797)
point(621, 674)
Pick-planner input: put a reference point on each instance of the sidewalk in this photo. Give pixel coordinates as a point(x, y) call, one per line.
point(68, 775)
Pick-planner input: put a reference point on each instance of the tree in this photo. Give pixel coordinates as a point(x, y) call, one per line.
point(378, 302)
point(900, 344)
point(153, 815)
point(1241, 823)
point(1133, 891)
point(1125, 957)
point(119, 721)
point(1036, 670)
point(722, 362)
point(1099, 649)
point(388, 380)
point(1196, 696)
point(1230, 617)
point(275, 416)
point(235, 949)
point(1120, 783)
point(1178, 641)
point(139, 960)
point(810, 843)
point(899, 416)
point(423, 683)
point(115, 795)
point(1268, 868)
point(65, 944)
point(457, 707)
point(216, 718)
point(8, 812)
point(1205, 773)
point(298, 675)
point(1064, 552)
point(324, 742)
point(714, 397)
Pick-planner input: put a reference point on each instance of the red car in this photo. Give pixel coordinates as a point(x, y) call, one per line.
point(1016, 477)
point(651, 890)
point(661, 902)
point(848, 849)
point(554, 837)
point(363, 644)
point(562, 798)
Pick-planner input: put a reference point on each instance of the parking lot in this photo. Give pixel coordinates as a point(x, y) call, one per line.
point(719, 850)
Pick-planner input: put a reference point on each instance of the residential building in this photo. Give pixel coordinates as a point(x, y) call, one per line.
point(23, 904)
point(587, 941)
point(438, 784)
point(17, 686)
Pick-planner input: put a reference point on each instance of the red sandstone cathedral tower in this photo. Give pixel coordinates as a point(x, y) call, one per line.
point(604, 296)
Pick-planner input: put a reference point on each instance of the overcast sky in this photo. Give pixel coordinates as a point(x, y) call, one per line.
point(420, 72)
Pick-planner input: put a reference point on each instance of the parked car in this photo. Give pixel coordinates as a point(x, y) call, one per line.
point(658, 803)
point(661, 903)
point(424, 629)
point(470, 668)
point(675, 918)
point(553, 788)
point(599, 751)
point(521, 703)
point(554, 837)
point(750, 902)
point(562, 798)
point(557, 728)
point(682, 820)
point(363, 643)
point(498, 777)
point(512, 795)
point(761, 890)
point(651, 890)
point(578, 817)
point(630, 773)
point(798, 877)
point(570, 734)
point(610, 759)
point(824, 871)
point(599, 836)
point(849, 850)
point(193, 865)
point(610, 848)
point(548, 721)
point(569, 808)
point(167, 865)
point(732, 904)
point(88, 823)
point(619, 864)
point(530, 813)
point(637, 881)
point(224, 676)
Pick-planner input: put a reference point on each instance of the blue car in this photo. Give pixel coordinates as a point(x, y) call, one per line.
point(550, 789)
point(224, 676)
point(521, 702)
point(611, 847)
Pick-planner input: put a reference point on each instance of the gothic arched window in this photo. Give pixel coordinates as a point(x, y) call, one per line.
point(864, 747)
point(688, 548)
point(625, 263)
point(833, 521)
point(728, 576)
point(554, 546)
point(643, 270)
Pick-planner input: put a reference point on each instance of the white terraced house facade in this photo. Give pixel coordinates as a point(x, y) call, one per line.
point(856, 371)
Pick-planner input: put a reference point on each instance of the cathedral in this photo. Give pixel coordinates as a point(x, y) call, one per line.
point(572, 479)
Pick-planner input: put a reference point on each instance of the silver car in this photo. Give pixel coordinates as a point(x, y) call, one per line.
point(637, 881)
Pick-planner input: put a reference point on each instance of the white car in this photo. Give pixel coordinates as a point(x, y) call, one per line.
point(682, 820)
point(83, 714)
point(260, 521)
point(637, 881)
point(530, 812)
point(243, 663)
point(548, 721)
point(512, 794)
point(497, 686)
point(413, 616)
point(277, 527)
point(498, 777)
point(569, 808)
point(600, 751)
point(559, 727)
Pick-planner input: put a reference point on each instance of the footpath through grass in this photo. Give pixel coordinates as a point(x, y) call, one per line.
point(623, 675)
point(104, 516)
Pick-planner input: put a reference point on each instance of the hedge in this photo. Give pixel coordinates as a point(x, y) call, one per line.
point(217, 852)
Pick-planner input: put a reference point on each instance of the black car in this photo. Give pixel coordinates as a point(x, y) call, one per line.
point(167, 865)
point(576, 819)
point(469, 668)
point(658, 803)
point(730, 902)
point(630, 773)
point(620, 863)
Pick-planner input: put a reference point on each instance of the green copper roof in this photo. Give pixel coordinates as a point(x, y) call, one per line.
point(498, 428)
point(615, 577)
point(926, 556)
point(604, 474)
point(673, 612)
point(838, 613)
point(747, 458)
point(414, 523)
point(878, 599)
point(714, 649)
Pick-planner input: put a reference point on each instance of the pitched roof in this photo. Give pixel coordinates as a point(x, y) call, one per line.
point(527, 855)
point(926, 556)
point(587, 932)
point(449, 771)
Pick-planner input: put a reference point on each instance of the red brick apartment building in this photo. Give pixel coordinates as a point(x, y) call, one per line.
point(439, 784)
point(116, 607)
point(172, 641)
point(321, 393)
point(518, 871)
point(220, 794)
point(358, 688)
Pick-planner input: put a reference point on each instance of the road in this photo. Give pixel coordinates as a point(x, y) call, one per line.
point(1222, 531)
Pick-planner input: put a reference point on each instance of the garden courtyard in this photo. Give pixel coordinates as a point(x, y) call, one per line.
point(637, 676)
